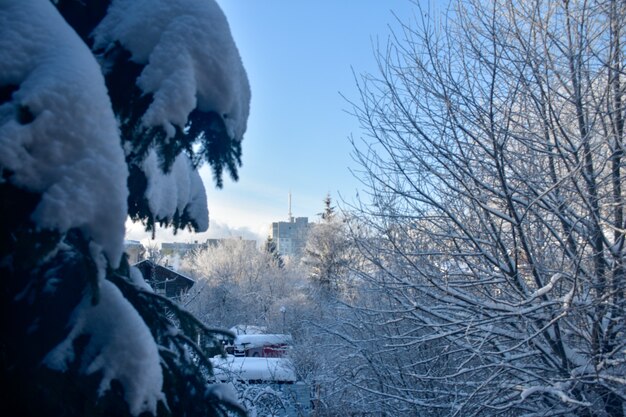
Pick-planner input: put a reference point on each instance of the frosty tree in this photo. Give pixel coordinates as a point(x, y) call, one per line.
point(271, 248)
point(79, 152)
point(495, 162)
point(328, 253)
point(237, 283)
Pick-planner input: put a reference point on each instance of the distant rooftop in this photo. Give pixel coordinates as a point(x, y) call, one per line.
point(253, 369)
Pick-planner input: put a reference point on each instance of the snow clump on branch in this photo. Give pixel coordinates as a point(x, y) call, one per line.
point(191, 60)
point(179, 190)
point(58, 134)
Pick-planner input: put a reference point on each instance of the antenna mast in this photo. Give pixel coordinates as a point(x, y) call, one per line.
point(290, 216)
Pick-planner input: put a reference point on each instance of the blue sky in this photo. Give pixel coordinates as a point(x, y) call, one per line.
point(299, 57)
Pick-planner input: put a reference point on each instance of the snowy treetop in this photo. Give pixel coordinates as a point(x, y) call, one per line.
point(73, 161)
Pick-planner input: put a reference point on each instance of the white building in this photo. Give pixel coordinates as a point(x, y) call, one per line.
point(290, 237)
point(181, 248)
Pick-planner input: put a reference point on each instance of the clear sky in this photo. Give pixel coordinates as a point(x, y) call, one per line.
point(299, 57)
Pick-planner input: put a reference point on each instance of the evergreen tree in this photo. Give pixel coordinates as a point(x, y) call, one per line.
point(327, 251)
point(272, 249)
point(329, 210)
point(81, 331)
point(206, 135)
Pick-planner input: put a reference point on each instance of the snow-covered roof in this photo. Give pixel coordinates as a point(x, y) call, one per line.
point(253, 369)
point(248, 329)
point(260, 340)
point(167, 273)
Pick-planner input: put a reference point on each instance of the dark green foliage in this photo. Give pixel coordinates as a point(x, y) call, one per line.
point(16, 206)
point(204, 138)
point(45, 392)
point(220, 150)
point(42, 282)
point(205, 129)
point(44, 277)
point(24, 115)
point(46, 274)
point(270, 247)
point(128, 102)
point(329, 210)
point(83, 15)
point(139, 210)
point(185, 346)
point(6, 91)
